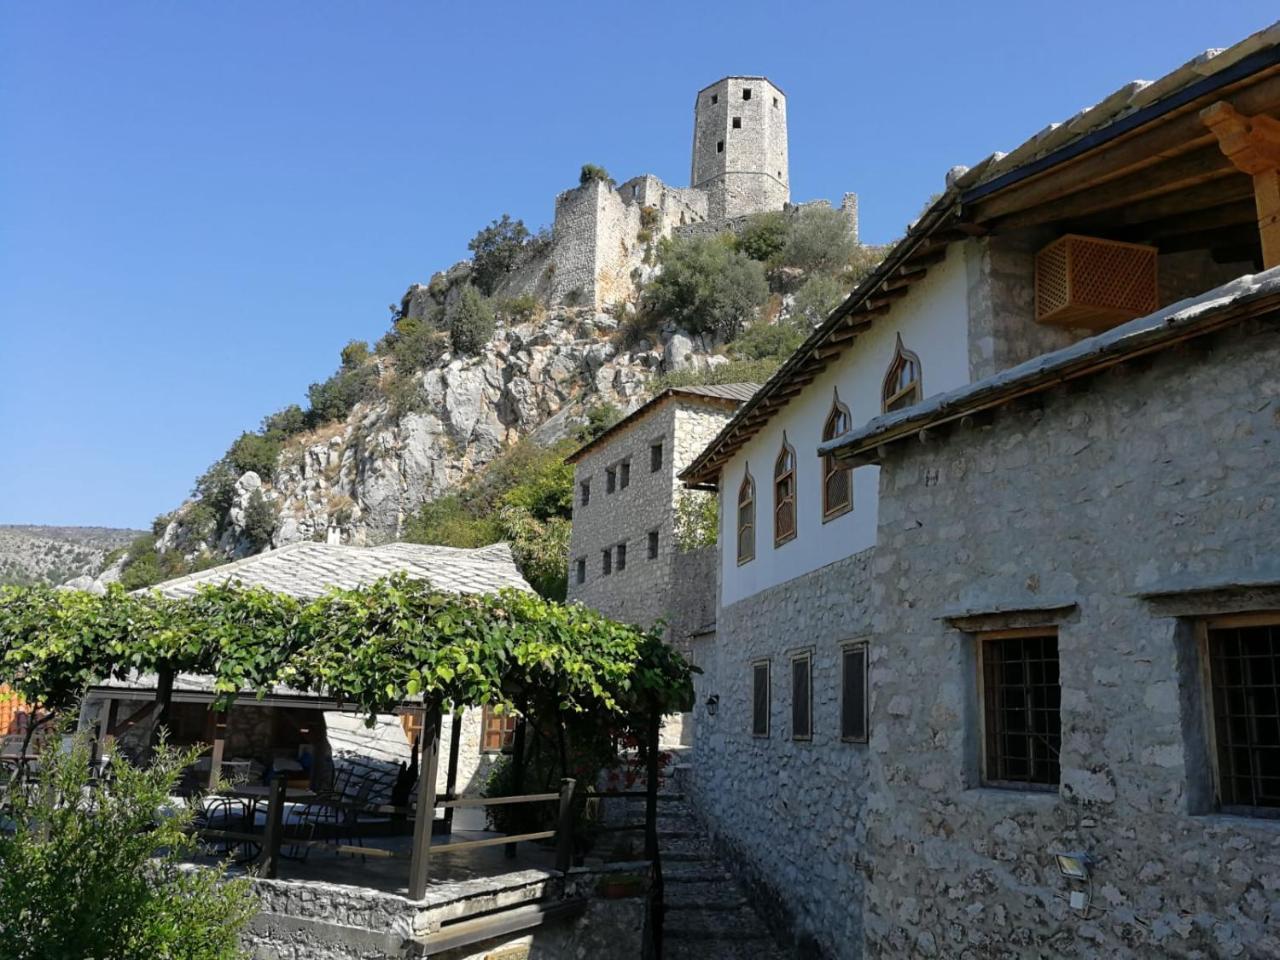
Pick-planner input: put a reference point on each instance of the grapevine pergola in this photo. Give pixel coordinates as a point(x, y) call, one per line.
point(393, 644)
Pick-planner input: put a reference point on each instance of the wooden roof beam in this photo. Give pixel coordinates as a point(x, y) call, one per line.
point(1252, 144)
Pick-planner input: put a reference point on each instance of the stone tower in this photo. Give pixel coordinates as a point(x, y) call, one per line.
point(740, 147)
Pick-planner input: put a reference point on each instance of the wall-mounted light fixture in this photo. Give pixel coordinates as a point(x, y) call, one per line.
point(713, 704)
point(1073, 864)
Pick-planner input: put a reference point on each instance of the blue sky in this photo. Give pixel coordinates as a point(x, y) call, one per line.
point(200, 203)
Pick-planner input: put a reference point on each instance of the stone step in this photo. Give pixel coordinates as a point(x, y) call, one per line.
point(711, 924)
point(696, 844)
point(717, 893)
point(694, 871)
point(721, 950)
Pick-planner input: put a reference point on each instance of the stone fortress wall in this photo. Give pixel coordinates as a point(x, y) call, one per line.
point(604, 237)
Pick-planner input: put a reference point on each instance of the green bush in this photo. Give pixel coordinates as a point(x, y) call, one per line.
point(706, 285)
point(417, 345)
point(448, 522)
point(495, 250)
point(816, 298)
point(600, 418)
point(764, 235)
point(285, 423)
point(94, 869)
point(334, 398)
point(735, 371)
point(355, 353)
point(820, 241)
point(591, 173)
point(471, 322)
point(259, 521)
point(520, 309)
point(697, 520)
point(768, 341)
point(216, 487)
point(255, 452)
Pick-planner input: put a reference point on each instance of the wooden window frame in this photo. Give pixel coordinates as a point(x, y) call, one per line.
point(749, 486)
point(768, 698)
point(890, 392)
point(1203, 625)
point(831, 466)
point(506, 737)
point(981, 640)
point(845, 648)
point(805, 656)
point(787, 450)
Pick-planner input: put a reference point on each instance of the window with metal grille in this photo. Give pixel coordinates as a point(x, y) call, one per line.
point(853, 693)
point(655, 457)
point(581, 572)
point(621, 562)
point(610, 480)
point(1021, 698)
point(760, 699)
point(585, 488)
point(746, 519)
point(837, 478)
point(499, 731)
point(902, 386)
point(624, 474)
point(606, 561)
point(801, 697)
point(1244, 670)
point(653, 544)
point(784, 494)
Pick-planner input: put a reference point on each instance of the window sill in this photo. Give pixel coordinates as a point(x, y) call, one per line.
point(989, 796)
point(1239, 821)
point(837, 514)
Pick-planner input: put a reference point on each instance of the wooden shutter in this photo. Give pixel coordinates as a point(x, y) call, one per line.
point(853, 693)
point(801, 700)
point(760, 699)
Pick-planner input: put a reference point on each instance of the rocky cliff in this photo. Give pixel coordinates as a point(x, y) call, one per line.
point(55, 555)
point(357, 480)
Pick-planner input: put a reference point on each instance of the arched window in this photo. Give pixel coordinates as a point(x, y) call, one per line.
point(784, 494)
point(837, 478)
point(746, 518)
point(902, 382)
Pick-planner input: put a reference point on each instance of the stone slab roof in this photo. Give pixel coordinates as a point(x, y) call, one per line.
point(719, 394)
point(307, 570)
point(1143, 335)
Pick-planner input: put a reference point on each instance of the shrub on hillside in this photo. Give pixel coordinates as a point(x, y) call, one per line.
point(764, 235)
point(334, 398)
point(591, 173)
point(255, 452)
point(521, 309)
point(354, 354)
point(417, 344)
point(599, 418)
point(285, 423)
point(259, 521)
point(816, 298)
point(495, 250)
point(735, 371)
point(706, 285)
point(471, 322)
point(821, 240)
point(768, 341)
point(91, 870)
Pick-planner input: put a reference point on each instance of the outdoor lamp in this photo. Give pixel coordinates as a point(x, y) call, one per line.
point(1073, 864)
point(713, 704)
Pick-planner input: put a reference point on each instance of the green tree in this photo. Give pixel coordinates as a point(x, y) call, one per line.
point(355, 353)
point(471, 322)
point(417, 344)
point(697, 520)
point(285, 423)
point(255, 452)
point(764, 235)
point(768, 341)
point(820, 240)
point(816, 298)
point(591, 173)
point(259, 521)
point(600, 418)
point(706, 285)
point(495, 250)
point(336, 397)
point(90, 870)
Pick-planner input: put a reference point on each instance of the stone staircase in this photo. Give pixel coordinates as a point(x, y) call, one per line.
point(708, 916)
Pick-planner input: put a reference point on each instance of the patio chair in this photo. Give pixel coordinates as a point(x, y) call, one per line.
point(230, 814)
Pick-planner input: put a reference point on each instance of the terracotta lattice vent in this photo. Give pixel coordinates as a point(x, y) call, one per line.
point(1092, 283)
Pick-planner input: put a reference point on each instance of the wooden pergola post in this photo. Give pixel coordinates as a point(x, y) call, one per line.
point(451, 778)
point(219, 745)
point(424, 816)
point(1252, 144)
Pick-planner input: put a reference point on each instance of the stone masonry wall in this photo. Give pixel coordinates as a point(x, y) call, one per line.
point(1140, 476)
point(788, 811)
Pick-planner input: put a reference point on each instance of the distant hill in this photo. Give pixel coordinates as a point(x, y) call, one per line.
point(53, 555)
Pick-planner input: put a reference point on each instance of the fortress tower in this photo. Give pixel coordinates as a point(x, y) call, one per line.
point(740, 147)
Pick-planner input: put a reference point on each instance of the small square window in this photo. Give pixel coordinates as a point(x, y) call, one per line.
point(715, 98)
point(585, 489)
point(621, 563)
point(760, 698)
point(746, 93)
point(775, 103)
point(499, 731)
point(655, 457)
point(737, 123)
point(653, 544)
point(606, 561)
point(581, 571)
point(610, 480)
point(853, 693)
point(719, 146)
point(624, 474)
point(801, 697)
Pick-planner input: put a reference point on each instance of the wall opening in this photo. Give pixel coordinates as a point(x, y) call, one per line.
point(737, 123)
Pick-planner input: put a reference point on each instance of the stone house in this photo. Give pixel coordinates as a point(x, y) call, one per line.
point(997, 642)
point(624, 559)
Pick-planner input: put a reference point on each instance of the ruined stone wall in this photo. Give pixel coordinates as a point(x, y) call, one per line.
point(788, 812)
point(1106, 491)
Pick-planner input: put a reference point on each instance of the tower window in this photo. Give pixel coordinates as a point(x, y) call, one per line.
point(621, 554)
point(606, 561)
point(715, 98)
point(719, 146)
point(737, 123)
point(653, 544)
point(581, 570)
point(775, 103)
point(746, 93)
